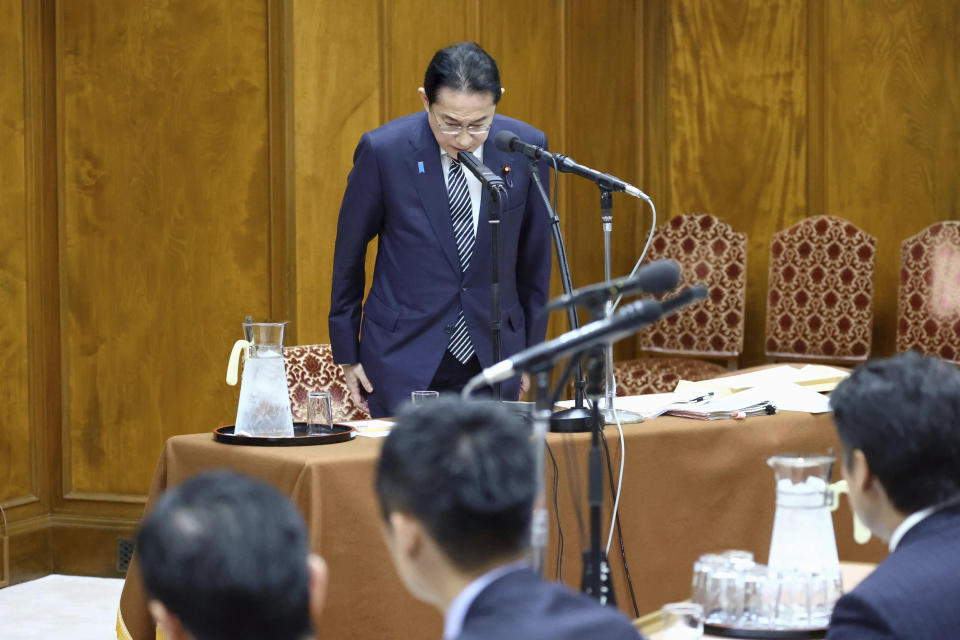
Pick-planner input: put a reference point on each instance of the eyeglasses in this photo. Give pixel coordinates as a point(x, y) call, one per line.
point(456, 129)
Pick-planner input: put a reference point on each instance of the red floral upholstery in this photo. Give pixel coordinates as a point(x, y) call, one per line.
point(820, 301)
point(710, 253)
point(311, 368)
point(928, 313)
point(660, 375)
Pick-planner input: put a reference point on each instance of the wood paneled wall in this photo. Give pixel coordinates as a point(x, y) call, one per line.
point(172, 166)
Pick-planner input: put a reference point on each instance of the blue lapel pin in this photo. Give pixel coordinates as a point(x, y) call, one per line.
point(420, 167)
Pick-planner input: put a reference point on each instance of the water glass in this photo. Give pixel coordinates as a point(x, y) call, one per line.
point(319, 413)
point(422, 397)
point(682, 621)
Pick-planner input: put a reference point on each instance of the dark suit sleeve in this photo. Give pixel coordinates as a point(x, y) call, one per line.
point(533, 260)
point(361, 216)
point(855, 619)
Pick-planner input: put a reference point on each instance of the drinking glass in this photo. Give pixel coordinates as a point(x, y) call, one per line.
point(319, 413)
point(682, 621)
point(422, 397)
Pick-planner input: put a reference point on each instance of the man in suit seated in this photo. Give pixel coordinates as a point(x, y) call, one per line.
point(899, 424)
point(226, 556)
point(456, 486)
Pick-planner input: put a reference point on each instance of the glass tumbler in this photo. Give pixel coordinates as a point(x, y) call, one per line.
point(319, 413)
point(682, 621)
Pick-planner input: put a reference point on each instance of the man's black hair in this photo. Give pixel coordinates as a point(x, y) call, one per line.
point(904, 414)
point(465, 471)
point(462, 67)
point(228, 555)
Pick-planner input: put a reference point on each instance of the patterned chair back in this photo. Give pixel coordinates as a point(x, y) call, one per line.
point(710, 253)
point(928, 309)
point(311, 368)
point(820, 301)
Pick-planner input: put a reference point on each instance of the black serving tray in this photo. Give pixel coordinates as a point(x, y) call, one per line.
point(725, 631)
point(341, 433)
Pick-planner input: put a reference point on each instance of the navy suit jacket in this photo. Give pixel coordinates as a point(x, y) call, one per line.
point(396, 192)
point(523, 606)
point(914, 594)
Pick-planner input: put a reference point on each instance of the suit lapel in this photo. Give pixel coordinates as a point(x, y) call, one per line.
point(432, 187)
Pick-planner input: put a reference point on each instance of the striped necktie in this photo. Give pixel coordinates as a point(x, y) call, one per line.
point(461, 215)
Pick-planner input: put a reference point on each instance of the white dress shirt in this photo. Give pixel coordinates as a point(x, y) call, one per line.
point(910, 522)
point(457, 612)
point(473, 184)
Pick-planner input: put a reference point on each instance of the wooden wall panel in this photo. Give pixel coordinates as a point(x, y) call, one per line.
point(892, 118)
point(164, 225)
point(412, 31)
point(337, 96)
point(16, 441)
point(737, 124)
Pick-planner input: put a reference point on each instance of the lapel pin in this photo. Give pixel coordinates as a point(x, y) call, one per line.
point(505, 169)
point(420, 167)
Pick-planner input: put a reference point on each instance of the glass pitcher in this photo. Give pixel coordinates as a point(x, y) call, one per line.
point(264, 405)
point(803, 538)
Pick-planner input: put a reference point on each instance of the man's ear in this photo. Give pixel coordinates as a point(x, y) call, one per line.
point(860, 473)
point(168, 621)
point(423, 98)
point(319, 579)
point(407, 534)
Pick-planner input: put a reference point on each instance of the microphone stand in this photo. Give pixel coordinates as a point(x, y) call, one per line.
point(576, 418)
point(539, 524)
point(494, 210)
point(610, 413)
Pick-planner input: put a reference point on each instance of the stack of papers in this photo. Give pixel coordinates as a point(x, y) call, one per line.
point(763, 392)
point(372, 428)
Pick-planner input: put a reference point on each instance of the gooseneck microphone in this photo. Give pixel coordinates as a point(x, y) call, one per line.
point(621, 324)
point(510, 142)
point(483, 173)
point(657, 277)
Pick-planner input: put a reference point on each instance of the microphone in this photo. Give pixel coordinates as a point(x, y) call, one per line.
point(660, 276)
point(510, 142)
point(621, 324)
point(483, 173)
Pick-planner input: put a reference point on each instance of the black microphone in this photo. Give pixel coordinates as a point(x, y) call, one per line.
point(483, 173)
point(660, 276)
point(510, 142)
point(621, 324)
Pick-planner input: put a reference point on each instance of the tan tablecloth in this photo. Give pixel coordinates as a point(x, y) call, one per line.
point(689, 487)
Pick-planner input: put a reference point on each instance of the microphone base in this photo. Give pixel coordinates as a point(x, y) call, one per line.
point(626, 417)
point(575, 420)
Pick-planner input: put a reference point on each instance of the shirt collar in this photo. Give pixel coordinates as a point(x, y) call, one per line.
point(909, 523)
point(457, 611)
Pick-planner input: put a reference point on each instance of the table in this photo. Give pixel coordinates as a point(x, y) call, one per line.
point(690, 487)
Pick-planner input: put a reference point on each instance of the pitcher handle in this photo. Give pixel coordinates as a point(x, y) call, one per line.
point(240, 348)
point(861, 534)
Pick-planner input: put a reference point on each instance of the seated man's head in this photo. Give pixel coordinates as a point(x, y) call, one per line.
point(456, 486)
point(226, 556)
point(899, 423)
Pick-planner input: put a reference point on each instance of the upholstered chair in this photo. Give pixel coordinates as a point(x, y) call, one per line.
point(311, 368)
point(704, 340)
point(928, 309)
point(820, 292)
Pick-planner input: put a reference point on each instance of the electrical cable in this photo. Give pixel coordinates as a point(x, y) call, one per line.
point(623, 551)
point(556, 510)
point(616, 501)
point(653, 227)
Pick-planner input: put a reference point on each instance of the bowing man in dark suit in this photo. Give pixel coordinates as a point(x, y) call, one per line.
point(899, 424)
point(455, 481)
point(426, 320)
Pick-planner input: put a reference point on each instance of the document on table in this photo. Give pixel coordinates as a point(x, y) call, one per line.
point(649, 405)
point(372, 428)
